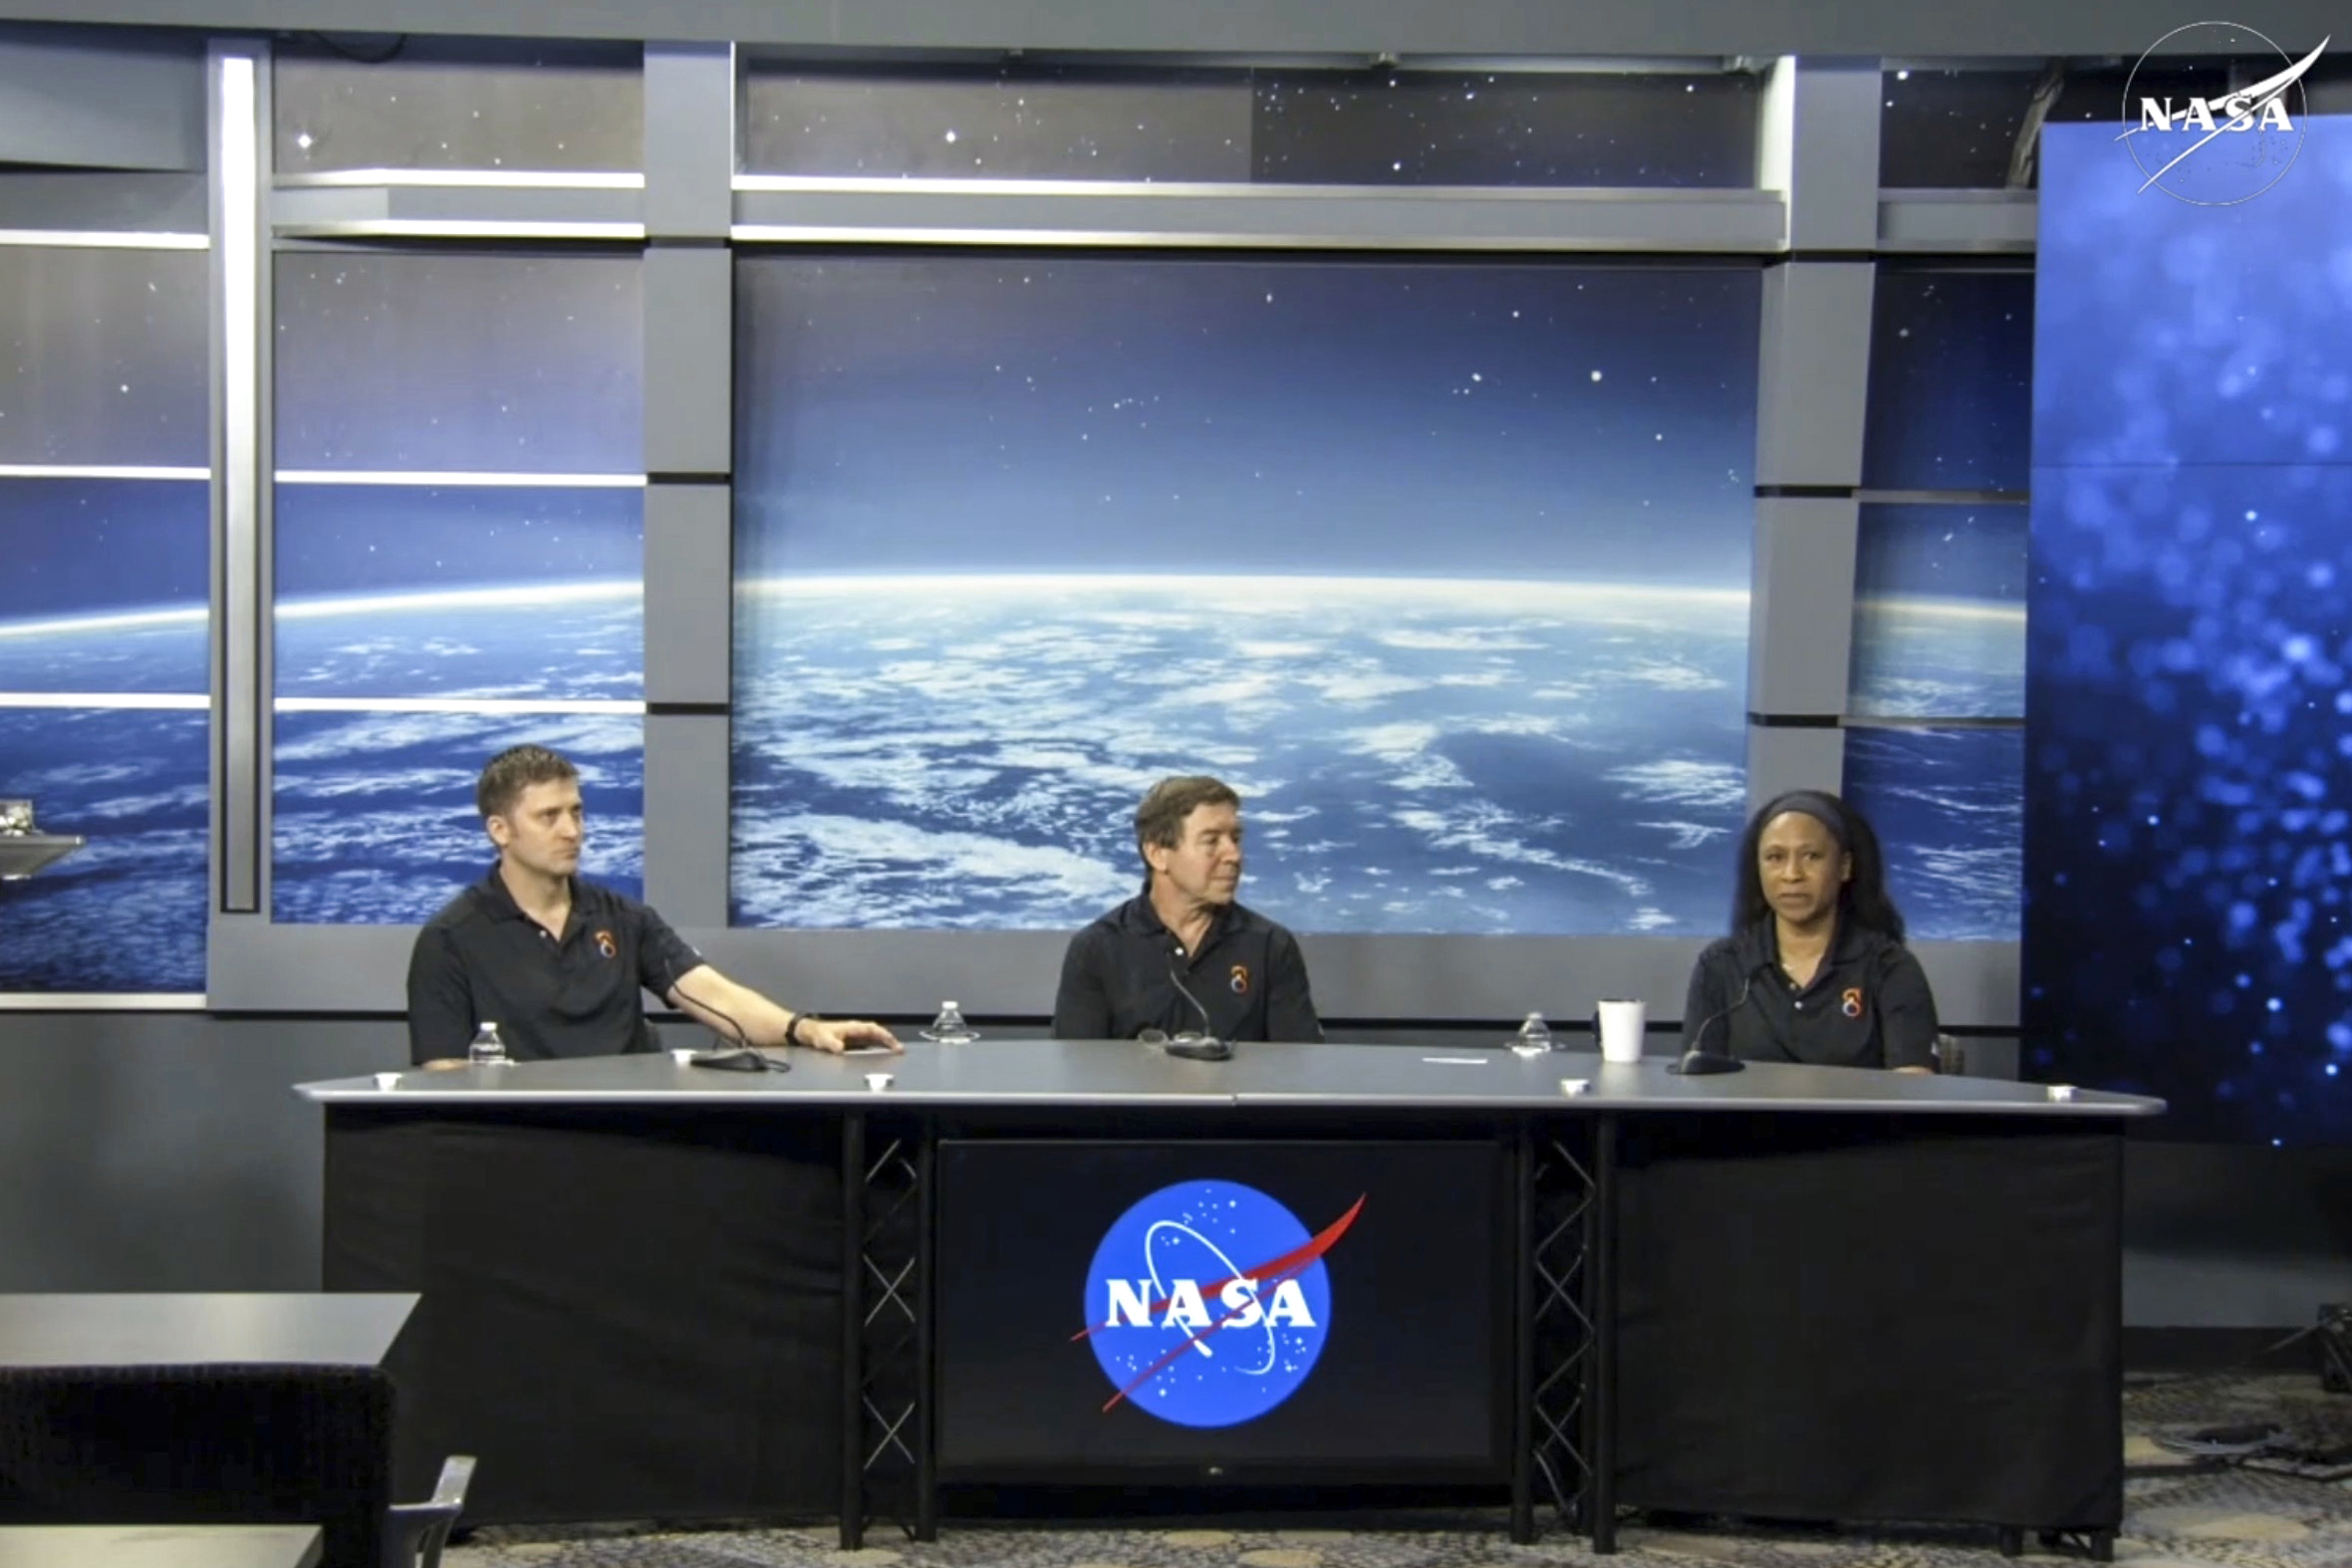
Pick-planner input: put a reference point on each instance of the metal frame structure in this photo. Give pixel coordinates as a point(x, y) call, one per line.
point(887, 1205)
point(1814, 220)
point(1563, 1362)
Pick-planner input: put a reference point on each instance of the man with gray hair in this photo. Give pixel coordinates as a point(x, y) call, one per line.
point(1182, 956)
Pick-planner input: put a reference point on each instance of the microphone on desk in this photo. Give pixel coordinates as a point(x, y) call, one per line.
point(1696, 1062)
point(1208, 1047)
point(742, 1058)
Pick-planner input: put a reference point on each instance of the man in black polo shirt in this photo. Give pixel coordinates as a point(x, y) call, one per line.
point(1182, 957)
point(556, 961)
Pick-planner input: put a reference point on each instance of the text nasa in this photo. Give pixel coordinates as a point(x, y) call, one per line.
point(1130, 1305)
point(2214, 114)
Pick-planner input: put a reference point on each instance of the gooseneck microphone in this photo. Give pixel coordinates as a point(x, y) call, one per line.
point(1697, 1062)
point(743, 1057)
point(1207, 1048)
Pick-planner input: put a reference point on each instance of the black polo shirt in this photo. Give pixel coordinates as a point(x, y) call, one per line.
point(483, 959)
point(1868, 1006)
point(1118, 978)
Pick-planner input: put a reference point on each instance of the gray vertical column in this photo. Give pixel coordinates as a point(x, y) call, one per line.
point(237, 120)
point(688, 292)
point(1821, 142)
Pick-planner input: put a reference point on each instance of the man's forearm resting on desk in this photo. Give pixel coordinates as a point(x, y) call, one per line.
point(740, 1013)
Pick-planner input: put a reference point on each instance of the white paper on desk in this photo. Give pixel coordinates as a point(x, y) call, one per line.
point(868, 1050)
point(1458, 1061)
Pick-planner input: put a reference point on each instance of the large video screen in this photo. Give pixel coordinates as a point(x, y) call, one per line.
point(1251, 1311)
point(2190, 635)
point(1444, 565)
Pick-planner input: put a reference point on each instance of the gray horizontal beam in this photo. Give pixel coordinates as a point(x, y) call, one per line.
point(254, 966)
point(356, 211)
point(1748, 222)
point(331, 968)
point(1935, 222)
point(1910, 28)
point(109, 204)
point(1957, 222)
point(75, 99)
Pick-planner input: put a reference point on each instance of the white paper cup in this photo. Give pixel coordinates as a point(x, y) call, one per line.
point(683, 1058)
point(1575, 1086)
point(877, 1081)
point(1620, 1025)
point(387, 1080)
point(2061, 1091)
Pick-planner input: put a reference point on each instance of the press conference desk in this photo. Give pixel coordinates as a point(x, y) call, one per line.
point(655, 1290)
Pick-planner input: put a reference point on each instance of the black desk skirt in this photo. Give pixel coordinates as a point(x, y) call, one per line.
point(624, 1315)
point(635, 1314)
point(1859, 1319)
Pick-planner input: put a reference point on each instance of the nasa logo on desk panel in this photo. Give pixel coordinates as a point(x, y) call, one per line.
point(1207, 1303)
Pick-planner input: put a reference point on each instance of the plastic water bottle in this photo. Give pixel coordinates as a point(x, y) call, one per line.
point(487, 1049)
point(949, 1028)
point(1534, 1037)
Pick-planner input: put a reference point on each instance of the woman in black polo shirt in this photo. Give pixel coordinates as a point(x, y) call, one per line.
point(1814, 970)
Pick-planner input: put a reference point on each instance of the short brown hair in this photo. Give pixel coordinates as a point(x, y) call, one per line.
point(1161, 818)
point(515, 770)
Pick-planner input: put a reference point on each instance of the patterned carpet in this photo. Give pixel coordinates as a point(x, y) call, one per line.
point(2287, 1506)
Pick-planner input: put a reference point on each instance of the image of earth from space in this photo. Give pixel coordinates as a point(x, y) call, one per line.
point(966, 752)
point(1414, 755)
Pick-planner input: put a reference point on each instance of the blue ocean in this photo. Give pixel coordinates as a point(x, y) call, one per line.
point(127, 912)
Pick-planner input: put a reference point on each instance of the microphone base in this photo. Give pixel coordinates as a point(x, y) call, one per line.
point(1204, 1050)
point(1698, 1064)
point(742, 1059)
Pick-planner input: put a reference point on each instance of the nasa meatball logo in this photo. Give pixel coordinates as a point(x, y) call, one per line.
point(1207, 1303)
point(2227, 146)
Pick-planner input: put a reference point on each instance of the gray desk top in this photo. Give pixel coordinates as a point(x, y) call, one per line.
point(188, 1330)
point(159, 1546)
point(1018, 1072)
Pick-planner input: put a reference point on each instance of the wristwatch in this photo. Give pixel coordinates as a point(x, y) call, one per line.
point(792, 1029)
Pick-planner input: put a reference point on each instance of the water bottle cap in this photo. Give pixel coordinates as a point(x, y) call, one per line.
point(952, 1004)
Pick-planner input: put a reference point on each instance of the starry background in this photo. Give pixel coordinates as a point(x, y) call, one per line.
point(1956, 128)
point(2190, 634)
point(468, 361)
point(1950, 382)
point(536, 104)
point(102, 356)
point(1691, 130)
point(90, 546)
point(340, 539)
point(1350, 419)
